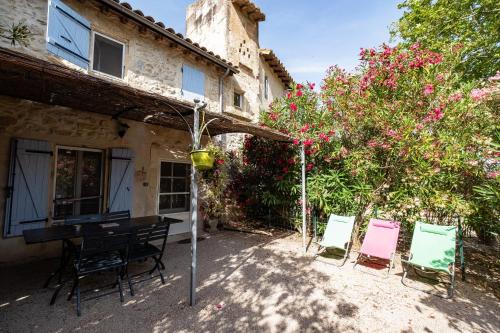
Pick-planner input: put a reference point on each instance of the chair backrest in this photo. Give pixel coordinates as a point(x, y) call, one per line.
point(142, 235)
point(82, 219)
point(116, 216)
point(433, 246)
point(104, 242)
point(338, 231)
point(381, 238)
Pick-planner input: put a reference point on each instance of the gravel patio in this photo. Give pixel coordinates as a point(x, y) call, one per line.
point(249, 283)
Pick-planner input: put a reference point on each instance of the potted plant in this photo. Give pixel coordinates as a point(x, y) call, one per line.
point(203, 158)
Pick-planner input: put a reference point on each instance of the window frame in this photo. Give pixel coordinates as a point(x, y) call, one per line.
point(54, 185)
point(240, 107)
point(91, 60)
point(158, 189)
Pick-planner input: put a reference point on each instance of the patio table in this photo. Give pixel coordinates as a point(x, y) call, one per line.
point(66, 233)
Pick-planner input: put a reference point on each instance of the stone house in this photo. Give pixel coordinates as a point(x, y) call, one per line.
point(89, 110)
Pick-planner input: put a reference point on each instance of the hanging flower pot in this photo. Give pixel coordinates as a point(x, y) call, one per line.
point(202, 159)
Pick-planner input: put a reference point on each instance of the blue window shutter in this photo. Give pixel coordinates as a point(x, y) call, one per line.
point(193, 83)
point(68, 34)
point(121, 180)
point(28, 185)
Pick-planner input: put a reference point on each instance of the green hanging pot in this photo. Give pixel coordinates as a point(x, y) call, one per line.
point(202, 159)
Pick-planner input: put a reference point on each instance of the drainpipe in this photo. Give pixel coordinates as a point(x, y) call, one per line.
point(221, 90)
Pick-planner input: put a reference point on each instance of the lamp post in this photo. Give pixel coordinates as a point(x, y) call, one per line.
point(199, 106)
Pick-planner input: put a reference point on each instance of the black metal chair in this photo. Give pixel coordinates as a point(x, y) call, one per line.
point(123, 215)
point(141, 248)
point(82, 219)
point(105, 251)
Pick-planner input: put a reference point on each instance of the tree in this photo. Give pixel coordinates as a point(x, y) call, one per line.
point(473, 24)
point(405, 135)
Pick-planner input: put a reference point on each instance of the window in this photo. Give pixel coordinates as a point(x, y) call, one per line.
point(238, 100)
point(68, 34)
point(175, 182)
point(266, 87)
point(78, 189)
point(193, 83)
point(108, 56)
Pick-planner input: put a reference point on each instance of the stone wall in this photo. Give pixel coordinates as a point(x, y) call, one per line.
point(150, 64)
point(221, 25)
point(68, 127)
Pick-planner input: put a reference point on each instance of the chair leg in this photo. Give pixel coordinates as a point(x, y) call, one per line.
point(129, 281)
point(78, 300)
point(357, 260)
point(75, 282)
point(119, 281)
point(162, 265)
point(157, 267)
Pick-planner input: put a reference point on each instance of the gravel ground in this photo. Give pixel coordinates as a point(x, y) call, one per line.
point(250, 283)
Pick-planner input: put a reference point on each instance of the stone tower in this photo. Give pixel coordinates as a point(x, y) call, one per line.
point(230, 28)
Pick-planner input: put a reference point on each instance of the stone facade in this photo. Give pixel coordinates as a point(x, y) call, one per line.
point(151, 64)
point(63, 126)
point(222, 26)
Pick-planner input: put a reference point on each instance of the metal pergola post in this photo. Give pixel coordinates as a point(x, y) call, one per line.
point(304, 212)
point(194, 201)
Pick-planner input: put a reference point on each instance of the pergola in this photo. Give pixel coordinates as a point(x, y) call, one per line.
point(27, 77)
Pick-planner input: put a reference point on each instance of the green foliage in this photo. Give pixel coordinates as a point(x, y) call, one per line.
point(18, 33)
point(404, 135)
point(472, 24)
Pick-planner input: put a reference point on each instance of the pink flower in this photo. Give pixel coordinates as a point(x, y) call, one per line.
point(305, 128)
point(419, 126)
point(391, 133)
point(299, 93)
point(495, 78)
point(220, 162)
point(299, 86)
point(293, 107)
point(455, 97)
point(372, 144)
point(285, 170)
point(312, 85)
point(296, 142)
point(493, 174)
point(289, 95)
point(273, 116)
point(324, 137)
point(308, 142)
point(310, 166)
point(478, 94)
point(429, 89)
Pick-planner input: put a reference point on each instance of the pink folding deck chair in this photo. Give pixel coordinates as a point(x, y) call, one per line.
point(380, 241)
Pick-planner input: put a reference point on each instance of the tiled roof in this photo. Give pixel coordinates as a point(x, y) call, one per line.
point(276, 65)
point(250, 9)
point(126, 10)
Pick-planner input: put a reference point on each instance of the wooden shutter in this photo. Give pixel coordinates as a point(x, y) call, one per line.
point(193, 83)
point(28, 185)
point(121, 180)
point(68, 34)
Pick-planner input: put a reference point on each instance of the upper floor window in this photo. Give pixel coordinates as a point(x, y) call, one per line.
point(238, 100)
point(68, 34)
point(193, 83)
point(108, 56)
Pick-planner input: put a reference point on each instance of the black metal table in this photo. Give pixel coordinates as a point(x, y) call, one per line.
point(66, 233)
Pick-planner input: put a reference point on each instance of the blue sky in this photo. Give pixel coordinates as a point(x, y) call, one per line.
point(308, 36)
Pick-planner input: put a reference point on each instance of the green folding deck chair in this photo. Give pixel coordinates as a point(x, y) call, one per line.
point(338, 234)
point(433, 250)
